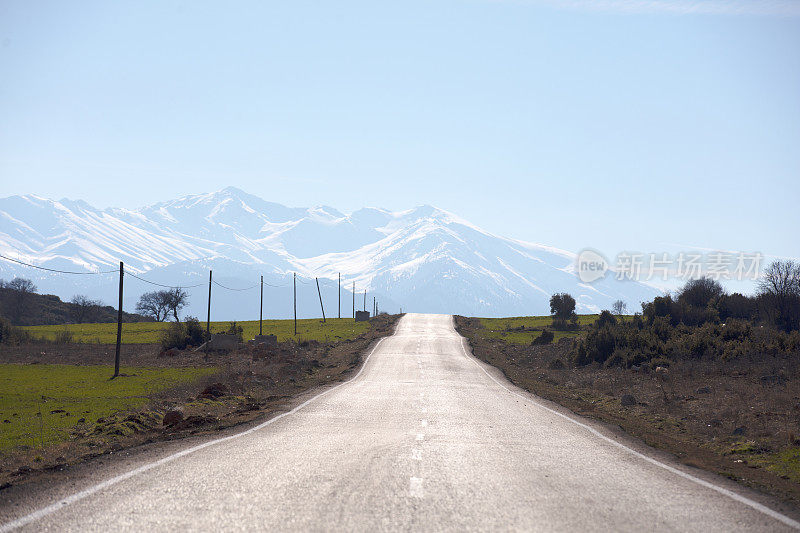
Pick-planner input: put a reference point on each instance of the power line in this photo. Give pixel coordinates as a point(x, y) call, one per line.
point(232, 289)
point(161, 284)
point(56, 270)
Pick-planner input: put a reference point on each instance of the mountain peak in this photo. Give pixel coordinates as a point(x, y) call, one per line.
point(429, 259)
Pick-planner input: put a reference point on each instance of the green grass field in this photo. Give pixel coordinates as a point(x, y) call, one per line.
point(510, 329)
point(333, 329)
point(39, 404)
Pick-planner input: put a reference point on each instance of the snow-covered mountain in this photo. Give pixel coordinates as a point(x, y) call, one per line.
point(423, 259)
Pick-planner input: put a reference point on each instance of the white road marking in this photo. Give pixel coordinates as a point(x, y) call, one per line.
point(420, 436)
point(423, 422)
point(60, 504)
point(738, 497)
point(415, 487)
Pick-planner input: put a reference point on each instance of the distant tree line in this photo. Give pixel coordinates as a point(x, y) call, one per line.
point(700, 320)
point(21, 304)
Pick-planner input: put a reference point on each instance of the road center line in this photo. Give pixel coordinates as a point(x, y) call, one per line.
point(415, 487)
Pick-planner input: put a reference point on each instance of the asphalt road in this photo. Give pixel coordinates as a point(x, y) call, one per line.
point(423, 438)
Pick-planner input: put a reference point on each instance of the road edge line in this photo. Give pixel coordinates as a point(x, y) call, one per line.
point(721, 490)
point(80, 495)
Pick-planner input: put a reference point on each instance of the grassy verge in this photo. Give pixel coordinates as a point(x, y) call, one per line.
point(524, 329)
point(41, 404)
point(738, 418)
point(333, 329)
point(84, 414)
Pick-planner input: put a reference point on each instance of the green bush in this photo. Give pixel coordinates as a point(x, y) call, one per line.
point(606, 319)
point(11, 334)
point(546, 337)
point(182, 334)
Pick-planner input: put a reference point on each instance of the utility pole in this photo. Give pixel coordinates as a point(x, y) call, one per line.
point(320, 300)
point(208, 316)
point(365, 299)
point(295, 303)
point(119, 321)
point(340, 295)
point(261, 309)
point(374, 306)
point(354, 300)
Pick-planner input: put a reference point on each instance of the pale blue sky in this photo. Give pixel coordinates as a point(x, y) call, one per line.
point(624, 124)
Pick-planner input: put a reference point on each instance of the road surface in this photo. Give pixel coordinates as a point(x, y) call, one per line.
point(423, 438)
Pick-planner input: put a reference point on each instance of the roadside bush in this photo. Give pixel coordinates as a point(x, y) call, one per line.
point(564, 324)
point(546, 337)
point(194, 331)
point(606, 319)
point(182, 334)
point(11, 334)
point(235, 329)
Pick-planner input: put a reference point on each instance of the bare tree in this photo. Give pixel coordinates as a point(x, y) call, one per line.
point(619, 307)
point(779, 292)
point(153, 304)
point(83, 308)
point(22, 288)
point(176, 300)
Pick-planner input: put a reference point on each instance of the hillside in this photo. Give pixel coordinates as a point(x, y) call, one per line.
point(48, 309)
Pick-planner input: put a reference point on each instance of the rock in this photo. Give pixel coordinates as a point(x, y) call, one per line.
point(772, 380)
point(661, 370)
point(196, 421)
point(703, 390)
point(214, 391)
point(627, 400)
point(741, 430)
point(172, 417)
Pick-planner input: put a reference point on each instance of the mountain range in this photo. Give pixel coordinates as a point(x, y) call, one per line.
point(423, 259)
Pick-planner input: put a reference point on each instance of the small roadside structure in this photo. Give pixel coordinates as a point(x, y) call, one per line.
point(222, 342)
point(269, 340)
point(362, 316)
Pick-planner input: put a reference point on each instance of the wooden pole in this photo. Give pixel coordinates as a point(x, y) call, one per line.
point(295, 303)
point(340, 295)
point(119, 321)
point(320, 300)
point(261, 309)
point(354, 300)
point(208, 316)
